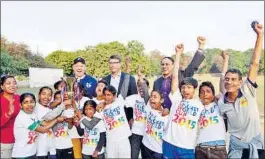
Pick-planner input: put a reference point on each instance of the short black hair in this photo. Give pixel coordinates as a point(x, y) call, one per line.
point(235, 71)
point(103, 81)
point(116, 56)
point(189, 81)
point(45, 87)
point(146, 81)
point(159, 92)
point(56, 84)
point(25, 95)
point(56, 93)
point(111, 89)
point(168, 57)
point(207, 84)
point(89, 102)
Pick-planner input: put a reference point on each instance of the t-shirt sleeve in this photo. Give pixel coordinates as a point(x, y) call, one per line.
point(31, 124)
point(102, 127)
point(130, 101)
point(175, 98)
point(249, 87)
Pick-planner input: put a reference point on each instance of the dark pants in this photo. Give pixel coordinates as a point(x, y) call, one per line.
point(149, 154)
point(30, 157)
point(65, 153)
point(209, 152)
point(102, 156)
point(47, 157)
point(136, 145)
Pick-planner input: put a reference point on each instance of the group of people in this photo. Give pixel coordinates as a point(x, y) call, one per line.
point(119, 117)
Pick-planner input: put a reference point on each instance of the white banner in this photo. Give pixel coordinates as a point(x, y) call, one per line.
point(39, 77)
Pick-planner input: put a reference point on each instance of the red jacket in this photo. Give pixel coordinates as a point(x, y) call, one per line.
point(7, 124)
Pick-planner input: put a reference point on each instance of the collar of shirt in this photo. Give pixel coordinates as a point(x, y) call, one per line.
point(170, 77)
point(116, 76)
point(78, 79)
point(238, 96)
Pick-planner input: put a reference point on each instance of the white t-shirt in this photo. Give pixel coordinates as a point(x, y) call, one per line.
point(25, 136)
point(91, 138)
point(115, 120)
point(183, 121)
point(45, 141)
point(97, 101)
point(212, 126)
point(139, 113)
point(62, 137)
point(154, 128)
point(80, 104)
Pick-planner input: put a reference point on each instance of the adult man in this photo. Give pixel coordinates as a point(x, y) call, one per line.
point(124, 83)
point(89, 83)
point(239, 105)
point(164, 83)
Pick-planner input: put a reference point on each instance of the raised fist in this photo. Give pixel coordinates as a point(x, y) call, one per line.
point(179, 48)
point(259, 29)
point(201, 40)
point(224, 55)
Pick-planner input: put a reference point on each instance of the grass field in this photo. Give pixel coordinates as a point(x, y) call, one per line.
point(205, 77)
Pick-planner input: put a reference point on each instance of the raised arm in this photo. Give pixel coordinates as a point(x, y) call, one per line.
point(144, 88)
point(175, 82)
point(197, 59)
point(46, 125)
point(225, 57)
point(127, 64)
point(254, 65)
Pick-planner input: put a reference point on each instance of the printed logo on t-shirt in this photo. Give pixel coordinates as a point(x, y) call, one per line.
point(243, 102)
point(154, 127)
point(208, 118)
point(91, 137)
point(88, 85)
point(61, 130)
point(32, 135)
point(182, 114)
point(113, 118)
point(139, 111)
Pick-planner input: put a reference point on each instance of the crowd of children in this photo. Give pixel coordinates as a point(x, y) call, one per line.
point(59, 126)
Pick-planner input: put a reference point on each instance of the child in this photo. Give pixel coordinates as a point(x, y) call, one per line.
point(45, 141)
point(180, 136)
point(99, 91)
point(27, 126)
point(154, 127)
point(94, 139)
point(117, 127)
point(211, 141)
point(137, 102)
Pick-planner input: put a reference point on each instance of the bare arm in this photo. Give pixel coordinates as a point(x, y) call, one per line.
point(254, 65)
point(143, 85)
point(225, 68)
point(174, 87)
point(127, 64)
point(46, 125)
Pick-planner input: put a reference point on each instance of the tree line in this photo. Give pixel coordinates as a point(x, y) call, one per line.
point(16, 58)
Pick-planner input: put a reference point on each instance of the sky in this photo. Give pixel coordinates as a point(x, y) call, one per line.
point(49, 26)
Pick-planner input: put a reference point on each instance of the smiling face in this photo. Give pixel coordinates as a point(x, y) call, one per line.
point(79, 69)
point(232, 82)
point(45, 97)
point(9, 86)
point(166, 67)
point(99, 89)
point(109, 97)
point(28, 104)
point(89, 111)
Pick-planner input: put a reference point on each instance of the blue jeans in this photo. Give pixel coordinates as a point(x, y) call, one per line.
point(136, 145)
point(149, 154)
point(171, 151)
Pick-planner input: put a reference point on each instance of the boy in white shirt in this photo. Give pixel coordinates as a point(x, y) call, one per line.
point(179, 140)
point(117, 127)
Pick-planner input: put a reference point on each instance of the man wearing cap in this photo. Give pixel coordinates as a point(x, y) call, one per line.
point(164, 83)
point(87, 81)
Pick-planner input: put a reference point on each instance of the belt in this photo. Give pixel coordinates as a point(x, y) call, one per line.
point(212, 147)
